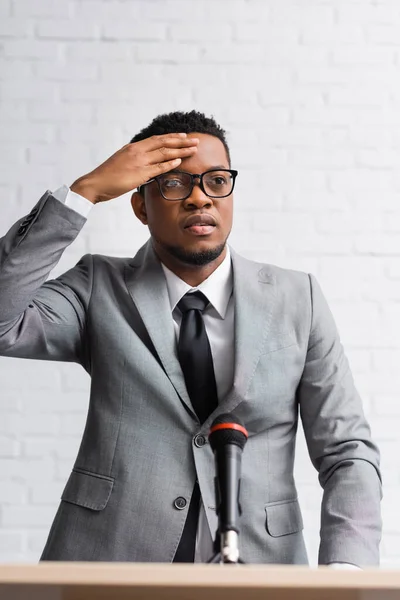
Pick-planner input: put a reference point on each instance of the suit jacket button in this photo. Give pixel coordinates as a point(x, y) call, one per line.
point(180, 503)
point(199, 441)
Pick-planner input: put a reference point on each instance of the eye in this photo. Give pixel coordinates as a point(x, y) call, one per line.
point(173, 183)
point(219, 180)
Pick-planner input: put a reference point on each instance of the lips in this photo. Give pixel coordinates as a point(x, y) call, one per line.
point(200, 221)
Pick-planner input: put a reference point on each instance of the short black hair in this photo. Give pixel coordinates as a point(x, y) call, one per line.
point(183, 122)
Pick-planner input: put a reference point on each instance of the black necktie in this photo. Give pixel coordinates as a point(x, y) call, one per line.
point(197, 365)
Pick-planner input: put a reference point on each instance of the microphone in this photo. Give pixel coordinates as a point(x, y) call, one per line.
point(227, 439)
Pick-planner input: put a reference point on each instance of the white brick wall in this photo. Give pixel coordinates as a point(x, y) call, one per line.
point(309, 91)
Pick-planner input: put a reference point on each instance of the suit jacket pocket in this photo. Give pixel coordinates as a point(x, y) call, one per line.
point(283, 517)
point(89, 490)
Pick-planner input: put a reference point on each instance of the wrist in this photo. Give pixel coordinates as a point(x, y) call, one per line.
point(84, 188)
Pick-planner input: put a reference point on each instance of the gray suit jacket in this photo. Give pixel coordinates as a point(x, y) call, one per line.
point(137, 455)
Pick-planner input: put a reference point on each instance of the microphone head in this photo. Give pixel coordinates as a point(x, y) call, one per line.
point(227, 429)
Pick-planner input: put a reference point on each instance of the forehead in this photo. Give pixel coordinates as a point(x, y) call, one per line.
point(210, 153)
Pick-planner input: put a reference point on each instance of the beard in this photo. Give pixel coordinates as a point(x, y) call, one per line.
point(192, 258)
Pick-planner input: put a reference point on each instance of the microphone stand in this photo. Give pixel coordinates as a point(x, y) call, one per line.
point(226, 543)
point(227, 439)
point(226, 547)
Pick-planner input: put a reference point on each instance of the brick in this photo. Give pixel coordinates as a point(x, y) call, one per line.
point(364, 181)
point(282, 224)
point(72, 71)
point(248, 32)
point(31, 49)
point(385, 405)
point(288, 94)
point(301, 14)
point(49, 155)
point(322, 116)
point(128, 30)
point(60, 112)
point(368, 55)
point(270, 115)
point(46, 424)
point(378, 158)
point(7, 421)
point(377, 244)
point(46, 8)
point(392, 268)
point(63, 471)
point(357, 96)
point(322, 158)
point(36, 540)
point(98, 51)
point(15, 69)
point(368, 13)
point(348, 223)
point(374, 137)
point(11, 110)
point(11, 542)
point(22, 89)
point(25, 516)
point(15, 28)
point(82, 91)
point(5, 8)
point(338, 34)
point(359, 268)
point(387, 35)
point(196, 32)
point(42, 375)
point(167, 52)
point(386, 360)
point(9, 447)
point(27, 470)
point(12, 492)
point(72, 425)
point(246, 157)
point(319, 244)
point(360, 360)
point(46, 493)
point(180, 10)
point(11, 153)
point(62, 29)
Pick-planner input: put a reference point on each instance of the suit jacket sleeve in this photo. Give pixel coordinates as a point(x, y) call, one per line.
point(340, 446)
point(39, 319)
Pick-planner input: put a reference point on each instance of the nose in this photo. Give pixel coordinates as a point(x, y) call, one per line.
point(197, 199)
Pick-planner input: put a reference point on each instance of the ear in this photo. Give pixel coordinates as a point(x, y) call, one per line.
point(139, 207)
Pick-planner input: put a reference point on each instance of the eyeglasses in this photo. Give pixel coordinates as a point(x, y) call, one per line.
point(178, 185)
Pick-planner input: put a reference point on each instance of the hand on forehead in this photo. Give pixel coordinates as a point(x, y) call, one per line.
point(210, 154)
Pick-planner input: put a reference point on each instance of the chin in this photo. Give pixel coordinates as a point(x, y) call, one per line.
point(199, 254)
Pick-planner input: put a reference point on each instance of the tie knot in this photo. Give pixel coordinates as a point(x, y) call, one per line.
point(193, 301)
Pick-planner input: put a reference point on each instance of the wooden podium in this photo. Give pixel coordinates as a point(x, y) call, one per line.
point(136, 581)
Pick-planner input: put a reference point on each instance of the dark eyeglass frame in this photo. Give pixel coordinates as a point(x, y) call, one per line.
point(193, 176)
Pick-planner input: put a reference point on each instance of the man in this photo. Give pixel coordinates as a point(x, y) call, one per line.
point(266, 348)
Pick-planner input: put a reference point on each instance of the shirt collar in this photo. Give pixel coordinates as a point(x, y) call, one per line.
point(217, 287)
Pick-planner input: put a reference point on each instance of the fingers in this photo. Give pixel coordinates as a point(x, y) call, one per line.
point(167, 154)
point(172, 140)
point(161, 167)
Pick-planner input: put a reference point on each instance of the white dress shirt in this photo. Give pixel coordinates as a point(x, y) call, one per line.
point(218, 320)
point(219, 323)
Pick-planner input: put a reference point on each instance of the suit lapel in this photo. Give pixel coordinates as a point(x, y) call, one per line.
point(254, 299)
point(146, 283)
point(254, 292)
